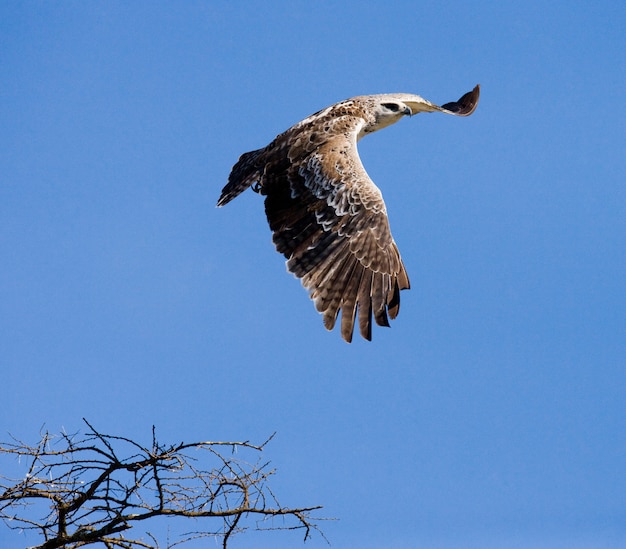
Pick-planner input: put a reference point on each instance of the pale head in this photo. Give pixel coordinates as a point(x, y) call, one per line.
point(386, 109)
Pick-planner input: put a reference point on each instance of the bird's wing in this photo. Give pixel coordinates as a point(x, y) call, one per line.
point(329, 220)
point(464, 106)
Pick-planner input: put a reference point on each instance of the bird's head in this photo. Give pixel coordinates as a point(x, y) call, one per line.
point(385, 110)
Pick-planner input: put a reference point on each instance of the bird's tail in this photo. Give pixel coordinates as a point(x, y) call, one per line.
point(244, 173)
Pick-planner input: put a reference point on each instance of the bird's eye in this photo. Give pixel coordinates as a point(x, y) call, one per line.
point(393, 107)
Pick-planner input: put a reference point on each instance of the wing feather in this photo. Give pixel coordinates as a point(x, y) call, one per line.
point(349, 301)
point(364, 300)
point(330, 222)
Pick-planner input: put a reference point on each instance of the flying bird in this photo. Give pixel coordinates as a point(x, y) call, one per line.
point(327, 216)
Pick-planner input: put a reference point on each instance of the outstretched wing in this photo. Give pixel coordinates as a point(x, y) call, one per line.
point(329, 220)
point(466, 105)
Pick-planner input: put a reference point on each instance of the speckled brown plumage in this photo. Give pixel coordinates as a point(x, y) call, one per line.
point(326, 215)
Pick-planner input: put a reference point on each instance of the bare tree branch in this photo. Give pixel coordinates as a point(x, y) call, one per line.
point(79, 491)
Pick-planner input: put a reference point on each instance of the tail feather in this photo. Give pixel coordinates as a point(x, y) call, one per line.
point(243, 175)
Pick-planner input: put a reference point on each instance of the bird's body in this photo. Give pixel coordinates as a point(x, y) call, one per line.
point(326, 215)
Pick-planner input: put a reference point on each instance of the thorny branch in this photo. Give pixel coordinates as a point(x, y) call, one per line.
point(78, 490)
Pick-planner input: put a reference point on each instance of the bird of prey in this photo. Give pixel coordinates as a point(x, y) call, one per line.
point(326, 215)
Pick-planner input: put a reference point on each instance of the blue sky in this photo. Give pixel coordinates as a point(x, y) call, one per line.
point(491, 414)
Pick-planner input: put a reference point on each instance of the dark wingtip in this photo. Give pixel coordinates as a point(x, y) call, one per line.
point(466, 105)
